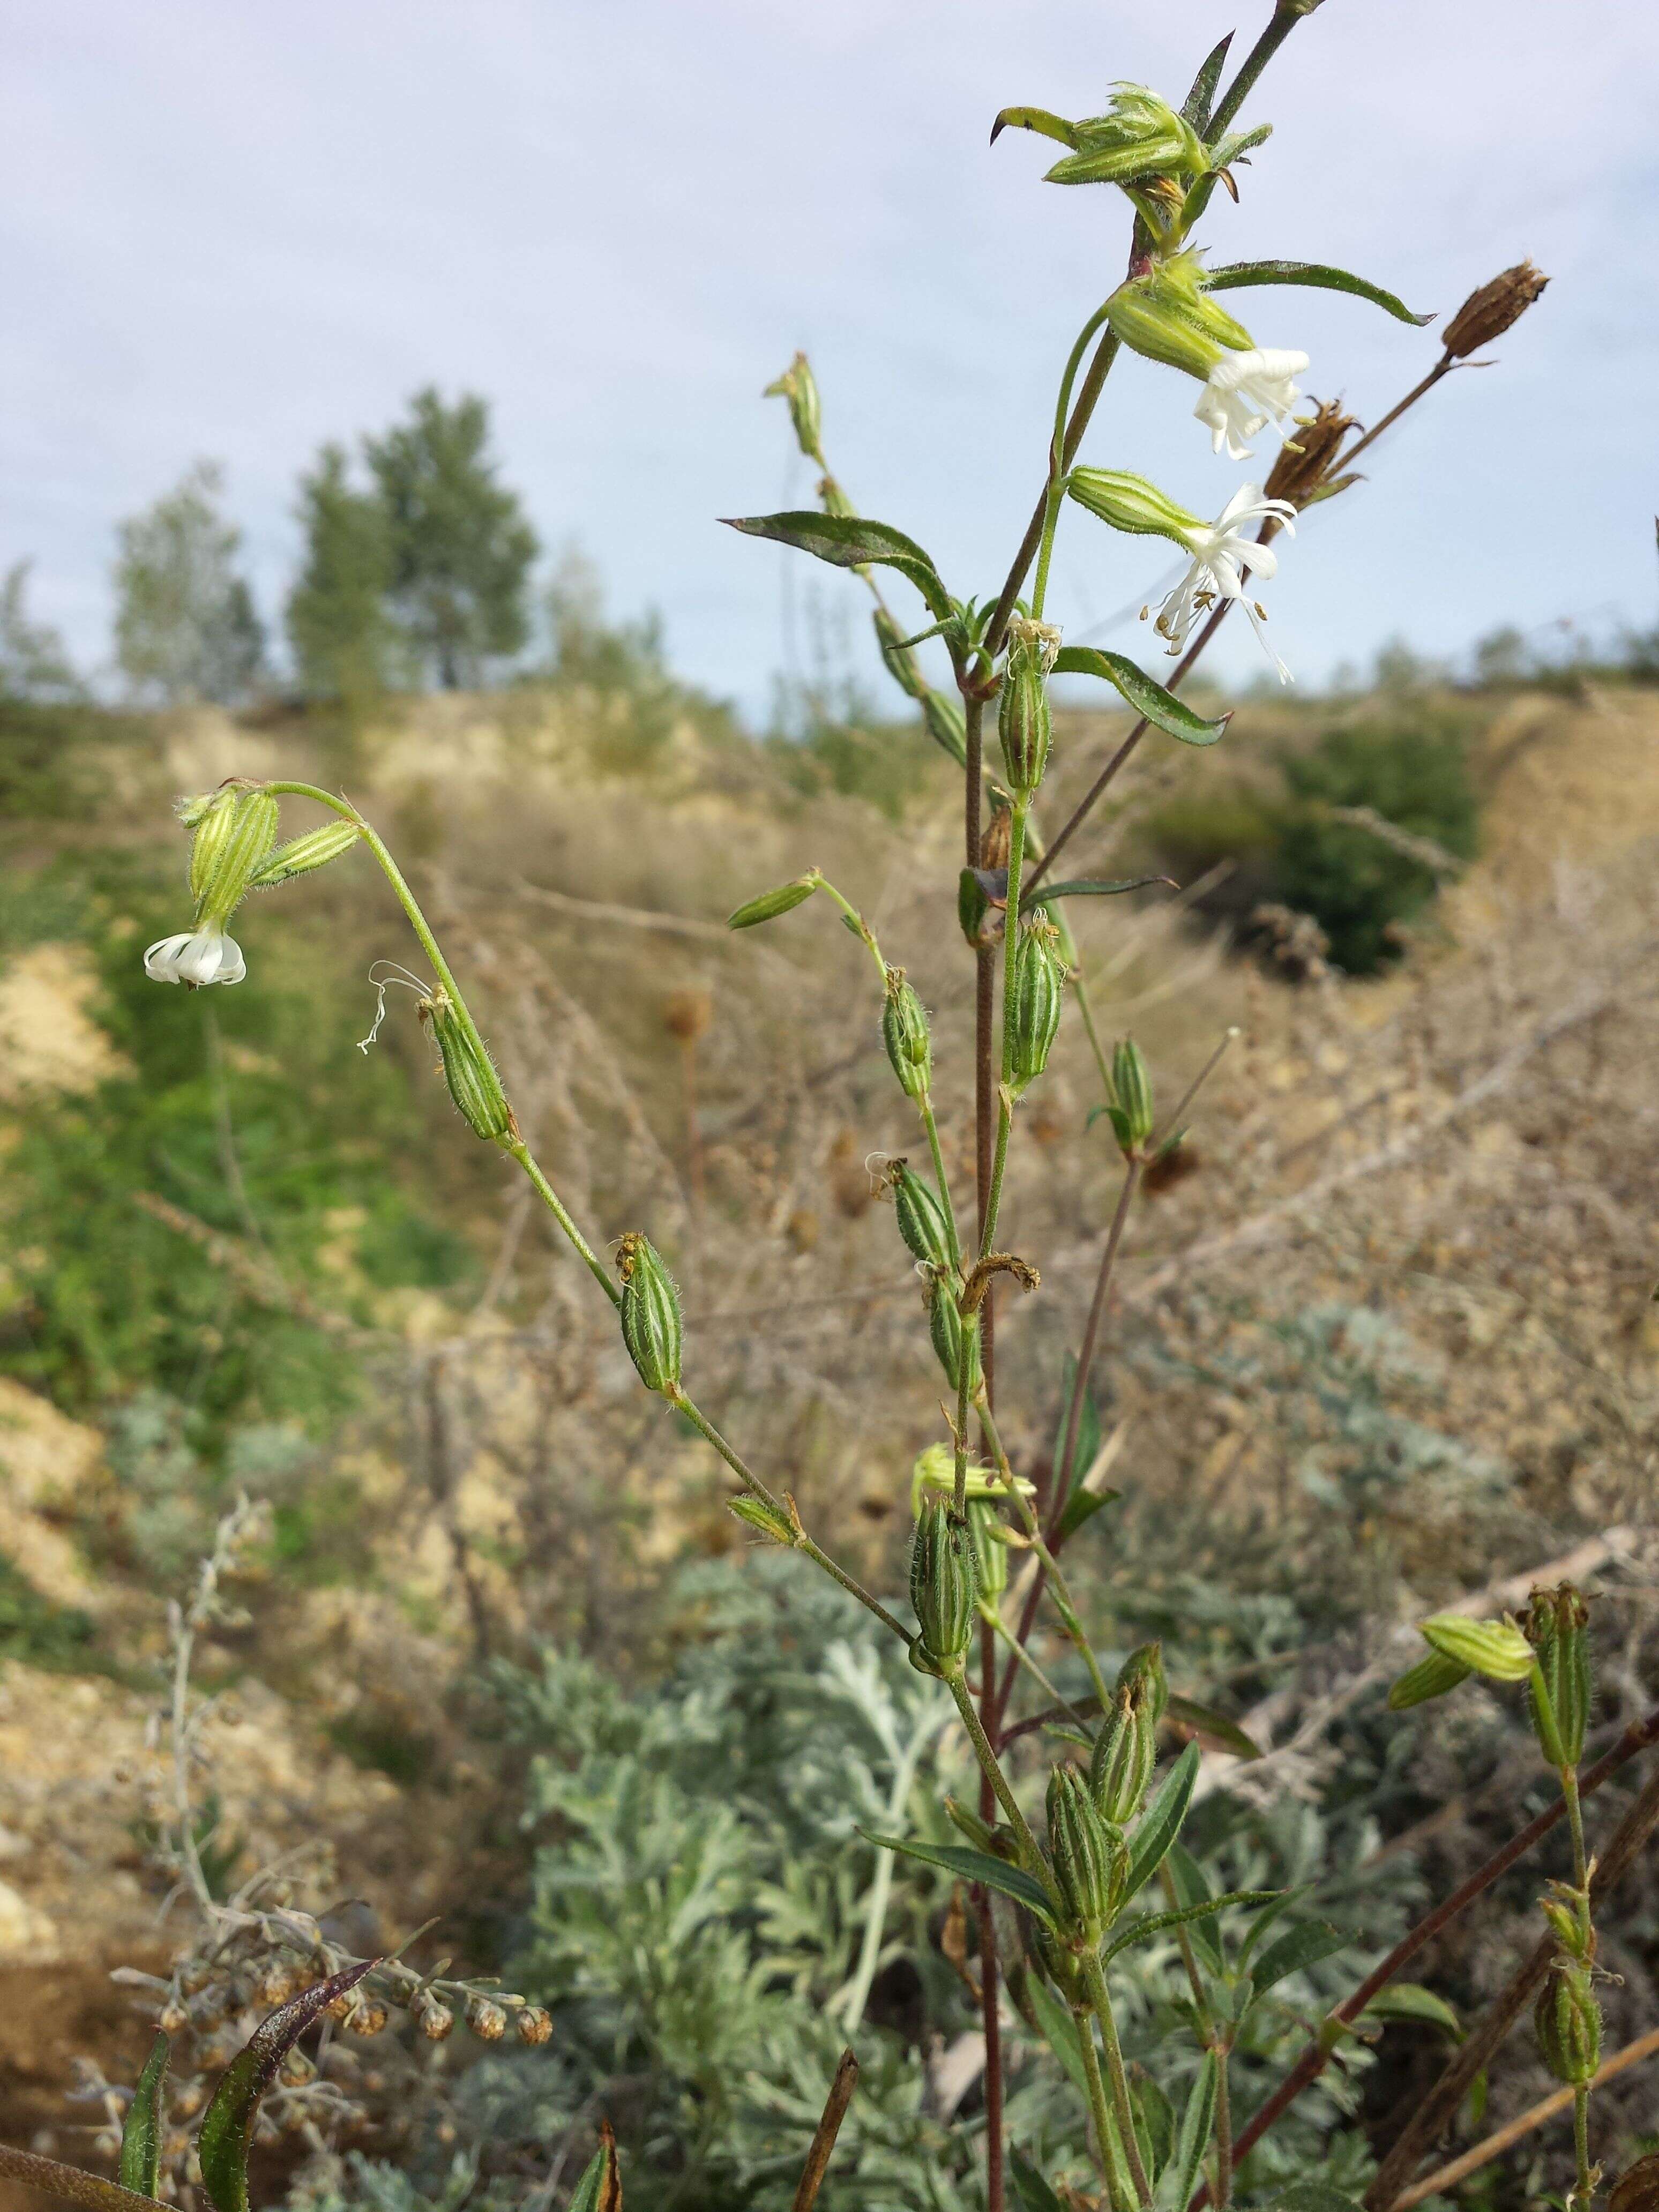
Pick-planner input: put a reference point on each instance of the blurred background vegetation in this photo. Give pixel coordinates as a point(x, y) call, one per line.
point(1385, 1339)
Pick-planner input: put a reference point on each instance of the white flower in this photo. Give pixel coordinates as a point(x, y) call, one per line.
point(1221, 554)
point(1242, 391)
point(196, 957)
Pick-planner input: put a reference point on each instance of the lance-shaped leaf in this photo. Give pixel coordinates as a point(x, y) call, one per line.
point(1201, 98)
point(1210, 1728)
point(1322, 278)
point(849, 541)
point(1154, 1923)
point(1410, 2000)
point(1095, 887)
point(770, 904)
point(1061, 2028)
point(1190, 1888)
point(1180, 2177)
point(973, 1866)
point(1083, 1505)
point(1160, 707)
point(599, 2189)
point(1160, 1824)
point(1031, 2192)
point(1298, 1949)
point(228, 2124)
point(1036, 118)
point(141, 2137)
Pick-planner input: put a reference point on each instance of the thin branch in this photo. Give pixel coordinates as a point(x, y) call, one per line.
point(829, 2127)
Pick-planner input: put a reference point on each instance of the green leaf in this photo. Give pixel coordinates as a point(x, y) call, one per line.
point(228, 2124)
point(1083, 1505)
point(1298, 1949)
point(1095, 887)
point(1059, 2026)
point(599, 2189)
point(1187, 1879)
point(1267, 1916)
point(1154, 1923)
point(1160, 1824)
point(1034, 118)
point(1410, 2000)
point(141, 2137)
point(770, 904)
point(1201, 98)
point(1148, 698)
point(973, 1866)
point(1031, 2191)
point(1233, 273)
point(1204, 1720)
point(1178, 2182)
point(849, 541)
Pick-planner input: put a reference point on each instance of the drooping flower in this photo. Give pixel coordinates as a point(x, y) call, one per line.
point(196, 958)
point(1221, 554)
point(1244, 391)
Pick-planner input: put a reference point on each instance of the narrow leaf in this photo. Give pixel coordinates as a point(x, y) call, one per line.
point(1083, 1505)
point(1031, 2189)
point(770, 904)
point(1410, 2000)
point(141, 2137)
point(1160, 1824)
point(228, 2125)
point(1298, 1949)
point(1149, 698)
point(1034, 118)
point(973, 1866)
point(1179, 2180)
point(1095, 887)
point(1201, 98)
point(599, 2189)
point(849, 541)
point(1154, 1923)
point(1313, 2196)
point(1268, 1917)
point(1211, 1728)
point(1060, 2027)
point(1233, 273)
point(1191, 1887)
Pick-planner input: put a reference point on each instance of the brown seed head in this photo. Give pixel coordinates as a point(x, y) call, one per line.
point(534, 2024)
point(1490, 310)
point(687, 1013)
point(486, 2019)
point(436, 2021)
point(1307, 457)
point(366, 2017)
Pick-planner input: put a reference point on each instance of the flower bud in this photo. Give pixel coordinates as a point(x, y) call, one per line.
point(1493, 309)
point(650, 1315)
point(1637, 2189)
point(1024, 721)
point(301, 855)
point(1132, 503)
point(905, 1033)
point(1165, 314)
point(366, 2017)
point(1143, 1671)
point(800, 387)
point(1039, 992)
point(1432, 1676)
point(1141, 136)
point(534, 2024)
point(920, 1214)
point(1556, 1628)
point(468, 1069)
point(1567, 2021)
point(984, 1525)
point(1496, 1649)
point(770, 904)
point(900, 663)
point(1089, 1857)
point(238, 850)
point(947, 725)
point(944, 1589)
point(435, 2020)
point(764, 1519)
point(1300, 472)
point(487, 2019)
point(1125, 1750)
point(954, 1339)
point(1130, 1108)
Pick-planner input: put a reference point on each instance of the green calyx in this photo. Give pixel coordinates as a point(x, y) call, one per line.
point(1132, 503)
point(955, 1341)
point(650, 1314)
point(1567, 2021)
point(1129, 1108)
point(920, 1214)
point(1038, 996)
point(1165, 314)
point(234, 837)
point(1024, 719)
point(905, 1033)
point(944, 1588)
point(800, 387)
point(1560, 1690)
point(468, 1069)
point(1089, 1857)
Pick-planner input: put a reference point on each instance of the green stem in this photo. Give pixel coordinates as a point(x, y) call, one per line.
point(1224, 2127)
point(1080, 990)
point(1057, 1585)
point(1575, 1826)
point(1586, 2188)
point(1010, 942)
point(1100, 2113)
point(1285, 21)
point(860, 927)
point(991, 1766)
point(1023, 1656)
point(550, 1198)
point(1101, 2000)
point(925, 1106)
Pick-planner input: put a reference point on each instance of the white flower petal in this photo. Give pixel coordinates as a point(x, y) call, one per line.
point(160, 958)
point(196, 957)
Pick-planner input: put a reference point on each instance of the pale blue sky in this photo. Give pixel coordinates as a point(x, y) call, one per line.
point(236, 227)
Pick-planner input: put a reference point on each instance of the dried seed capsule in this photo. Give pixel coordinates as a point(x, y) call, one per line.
point(487, 2019)
point(947, 725)
point(1567, 2021)
point(468, 1069)
point(944, 1588)
point(1556, 1627)
point(534, 2024)
point(1039, 995)
point(1431, 1677)
point(900, 663)
point(919, 1215)
point(1090, 1858)
point(1637, 2189)
point(650, 1315)
point(1024, 721)
point(1492, 309)
point(1131, 1106)
point(905, 1033)
point(1302, 468)
point(954, 1339)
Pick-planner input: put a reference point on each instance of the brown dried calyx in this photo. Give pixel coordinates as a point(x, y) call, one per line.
point(1491, 310)
point(1303, 470)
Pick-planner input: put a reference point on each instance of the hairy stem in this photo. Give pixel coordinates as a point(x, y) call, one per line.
point(1100, 1998)
point(991, 1767)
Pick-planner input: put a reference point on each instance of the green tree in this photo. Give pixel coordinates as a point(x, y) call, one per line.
point(461, 546)
point(34, 662)
point(339, 628)
point(186, 626)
